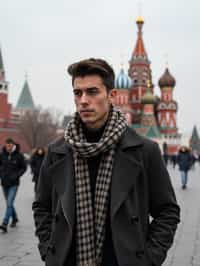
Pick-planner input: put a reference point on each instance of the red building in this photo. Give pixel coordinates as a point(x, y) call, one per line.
point(150, 115)
point(9, 119)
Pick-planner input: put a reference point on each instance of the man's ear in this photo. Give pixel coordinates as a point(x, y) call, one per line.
point(112, 94)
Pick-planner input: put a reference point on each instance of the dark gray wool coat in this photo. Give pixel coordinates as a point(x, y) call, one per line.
point(144, 213)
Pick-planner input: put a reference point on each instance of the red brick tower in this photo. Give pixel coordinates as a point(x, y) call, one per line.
point(167, 106)
point(5, 107)
point(9, 121)
point(140, 73)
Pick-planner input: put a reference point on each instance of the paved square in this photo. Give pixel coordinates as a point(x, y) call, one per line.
point(19, 246)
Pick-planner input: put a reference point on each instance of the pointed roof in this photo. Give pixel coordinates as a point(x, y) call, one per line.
point(139, 47)
point(195, 135)
point(151, 132)
point(25, 101)
point(195, 140)
point(2, 72)
point(1, 61)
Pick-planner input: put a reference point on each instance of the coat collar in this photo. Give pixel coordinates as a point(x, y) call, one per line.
point(60, 146)
point(130, 139)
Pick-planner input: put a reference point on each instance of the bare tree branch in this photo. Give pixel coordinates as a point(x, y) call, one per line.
point(39, 127)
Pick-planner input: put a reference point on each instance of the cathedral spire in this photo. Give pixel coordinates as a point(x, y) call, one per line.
point(139, 49)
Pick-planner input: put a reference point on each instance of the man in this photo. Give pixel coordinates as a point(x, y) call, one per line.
point(184, 160)
point(165, 153)
point(12, 167)
point(100, 184)
point(35, 164)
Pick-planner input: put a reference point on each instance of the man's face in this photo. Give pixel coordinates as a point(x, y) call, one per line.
point(9, 147)
point(92, 100)
point(40, 151)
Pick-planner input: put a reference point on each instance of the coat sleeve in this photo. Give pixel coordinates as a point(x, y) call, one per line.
point(164, 209)
point(22, 165)
point(32, 163)
point(0, 166)
point(42, 207)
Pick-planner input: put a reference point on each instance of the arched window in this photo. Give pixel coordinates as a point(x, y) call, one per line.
point(162, 106)
point(172, 106)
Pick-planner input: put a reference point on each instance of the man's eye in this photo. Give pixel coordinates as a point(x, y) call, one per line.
point(92, 91)
point(77, 93)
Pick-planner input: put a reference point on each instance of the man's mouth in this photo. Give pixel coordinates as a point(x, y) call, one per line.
point(86, 111)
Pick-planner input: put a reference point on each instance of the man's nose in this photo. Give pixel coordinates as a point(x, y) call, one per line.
point(84, 98)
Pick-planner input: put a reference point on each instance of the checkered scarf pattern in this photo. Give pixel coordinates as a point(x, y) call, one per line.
point(91, 225)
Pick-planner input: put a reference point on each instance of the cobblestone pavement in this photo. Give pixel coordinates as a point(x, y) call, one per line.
point(186, 247)
point(19, 246)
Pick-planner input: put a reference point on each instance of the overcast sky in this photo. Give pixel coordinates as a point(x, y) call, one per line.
point(43, 37)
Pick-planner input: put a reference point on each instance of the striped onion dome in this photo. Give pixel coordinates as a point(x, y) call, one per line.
point(123, 81)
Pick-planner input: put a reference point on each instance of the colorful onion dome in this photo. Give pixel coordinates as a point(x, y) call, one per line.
point(167, 80)
point(148, 97)
point(140, 20)
point(123, 81)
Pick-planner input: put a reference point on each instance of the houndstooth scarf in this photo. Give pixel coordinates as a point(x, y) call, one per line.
point(91, 225)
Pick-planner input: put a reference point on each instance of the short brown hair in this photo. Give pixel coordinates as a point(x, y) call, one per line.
point(9, 141)
point(93, 66)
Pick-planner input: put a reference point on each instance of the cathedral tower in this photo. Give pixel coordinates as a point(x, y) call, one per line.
point(167, 106)
point(139, 72)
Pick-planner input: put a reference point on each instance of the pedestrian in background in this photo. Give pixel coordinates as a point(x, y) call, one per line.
point(100, 184)
point(184, 160)
point(165, 153)
point(174, 160)
point(12, 167)
point(35, 164)
point(194, 159)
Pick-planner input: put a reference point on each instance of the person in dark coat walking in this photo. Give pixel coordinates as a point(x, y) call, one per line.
point(165, 153)
point(184, 161)
point(12, 167)
point(100, 184)
point(35, 164)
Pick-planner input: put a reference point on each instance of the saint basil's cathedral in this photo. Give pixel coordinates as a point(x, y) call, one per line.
point(151, 116)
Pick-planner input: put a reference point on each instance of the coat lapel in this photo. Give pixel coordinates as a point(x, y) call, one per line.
point(125, 170)
point(64, 182)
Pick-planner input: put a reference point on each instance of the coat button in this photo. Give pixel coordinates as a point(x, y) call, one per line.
point(134, 219)
point(53, 249)
point(139, 254)
point(56, 217)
